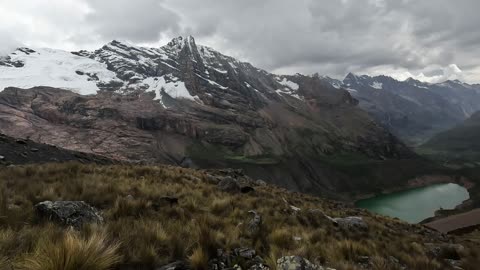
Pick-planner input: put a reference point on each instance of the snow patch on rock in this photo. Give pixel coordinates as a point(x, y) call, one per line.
point(377, 85)
point(170, 86)
point(288, 84)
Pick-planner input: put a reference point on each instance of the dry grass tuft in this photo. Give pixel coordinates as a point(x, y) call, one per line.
point(73, 252)
point(199, 259)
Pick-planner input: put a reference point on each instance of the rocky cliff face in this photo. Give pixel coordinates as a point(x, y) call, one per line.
point(412, 110)
point(191, 105)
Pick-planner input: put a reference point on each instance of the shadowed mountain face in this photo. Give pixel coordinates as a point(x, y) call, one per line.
point(413, 110)
point(17, 151)
point(460, 142)
point(191, 105)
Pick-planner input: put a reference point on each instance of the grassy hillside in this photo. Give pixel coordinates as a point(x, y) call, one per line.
point(138, 234)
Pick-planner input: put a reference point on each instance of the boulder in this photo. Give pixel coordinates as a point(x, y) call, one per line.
point(297, 263)
point(350, 223)
point(68, 213)
point(228, 184)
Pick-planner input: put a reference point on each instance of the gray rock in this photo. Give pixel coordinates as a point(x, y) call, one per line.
point(212, 179)
point(259, 266)
point(347, 223)
point(228, 184)
point(456, 264)
point(255, 224)
point(246, 253)
point(178, 265)
point(395, 263)
point(187, 163)
point(68, 213)
point(297, 263)
point(351, 223)
point(260, 182)
point(227, 260)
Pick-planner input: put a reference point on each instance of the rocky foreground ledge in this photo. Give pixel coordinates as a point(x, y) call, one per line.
point(165, 217)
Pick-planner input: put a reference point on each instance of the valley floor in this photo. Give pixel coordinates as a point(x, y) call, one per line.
point(160, 214)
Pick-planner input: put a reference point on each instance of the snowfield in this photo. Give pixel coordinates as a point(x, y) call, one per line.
point(55, 68)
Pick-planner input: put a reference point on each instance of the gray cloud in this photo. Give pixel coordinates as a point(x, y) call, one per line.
point(396, 37)
point(7, 43)
point(140, 21)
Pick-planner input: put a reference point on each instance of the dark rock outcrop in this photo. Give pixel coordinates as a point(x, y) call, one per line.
point(246, 256)
point(228, 184)
point(68, 213)
point(14, 152)
point(297, 263)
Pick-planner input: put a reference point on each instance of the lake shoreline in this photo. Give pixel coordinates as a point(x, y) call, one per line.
point(418, 182)
point(389, 202)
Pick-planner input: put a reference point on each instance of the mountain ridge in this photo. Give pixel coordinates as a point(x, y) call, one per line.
point(189, 105)
point(412, 110)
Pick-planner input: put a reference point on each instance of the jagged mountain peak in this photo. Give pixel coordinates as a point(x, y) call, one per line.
point(351, 76)
point(412, 80)
point(178, 44)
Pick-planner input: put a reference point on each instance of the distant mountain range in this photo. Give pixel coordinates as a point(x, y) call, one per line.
point(190, 105)
point(412, 110)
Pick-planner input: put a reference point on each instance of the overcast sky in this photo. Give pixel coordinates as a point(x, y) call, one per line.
point(431, 40)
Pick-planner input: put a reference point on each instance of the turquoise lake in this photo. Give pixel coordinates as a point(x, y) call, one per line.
point(417, 204)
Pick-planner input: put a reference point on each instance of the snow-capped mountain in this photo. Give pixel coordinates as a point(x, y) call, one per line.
point(411, 109)
point(180, 69)
point(184, 70)
point(184, 103)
